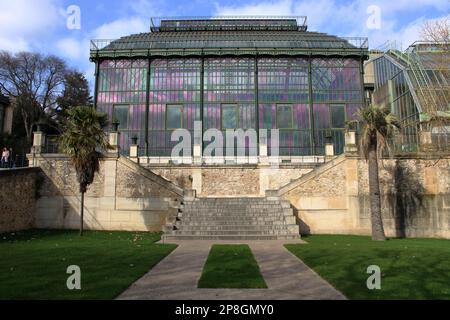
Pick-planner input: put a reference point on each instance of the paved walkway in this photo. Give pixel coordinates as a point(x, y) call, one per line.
point(176, 276)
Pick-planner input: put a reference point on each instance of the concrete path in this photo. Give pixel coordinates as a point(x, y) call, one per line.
point(176, 276)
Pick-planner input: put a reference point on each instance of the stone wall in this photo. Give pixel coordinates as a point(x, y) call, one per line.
point(230, 181)
point(334, 197)
point(123, 196)
point(415, 196)
point(18, 194)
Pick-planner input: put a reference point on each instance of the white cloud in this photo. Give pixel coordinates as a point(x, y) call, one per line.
point(23, 21)
point(268, 8)
point(72, 48)
point(121, 27)
point(14, 45)
point(348, 19)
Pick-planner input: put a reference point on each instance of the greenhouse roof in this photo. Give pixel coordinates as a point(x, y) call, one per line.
point(228, 36)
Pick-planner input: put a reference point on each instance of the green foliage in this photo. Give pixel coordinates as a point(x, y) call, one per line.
point(75, 93)
point(34, 263)
point(377, 124)
point(410, 268)
point(231, 266)
point(82, 139)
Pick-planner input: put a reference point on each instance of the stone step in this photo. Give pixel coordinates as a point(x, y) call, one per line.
point(234, 219)
point(229, 238)
point(225, 209)
point(229, 232)
point(238, 220)
point(202, 215)
point(180, 223)
point(239, 227)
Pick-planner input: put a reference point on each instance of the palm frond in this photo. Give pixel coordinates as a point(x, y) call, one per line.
point(377, 126)
point(83, 139)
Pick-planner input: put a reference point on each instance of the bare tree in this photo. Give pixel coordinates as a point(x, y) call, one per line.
point(435, 95)
point(35, 81)
point(437, 31)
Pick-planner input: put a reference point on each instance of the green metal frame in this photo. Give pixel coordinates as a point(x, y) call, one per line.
point(236, 111)
point(128, 113)
point(147, 106)
point(168, 105)
point(292, 115)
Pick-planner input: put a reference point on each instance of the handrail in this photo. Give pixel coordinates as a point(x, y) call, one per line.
point(342, 42)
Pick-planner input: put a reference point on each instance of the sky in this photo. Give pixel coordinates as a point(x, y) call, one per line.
point(65, 27)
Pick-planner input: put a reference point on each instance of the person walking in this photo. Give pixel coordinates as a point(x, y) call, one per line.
point(5, 157)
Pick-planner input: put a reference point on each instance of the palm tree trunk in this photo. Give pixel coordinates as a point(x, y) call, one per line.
point(374, 193)
point(81, 213)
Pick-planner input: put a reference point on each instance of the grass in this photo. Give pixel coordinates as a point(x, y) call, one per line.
point(410, 268)
point(231, 266)
point(33, 263)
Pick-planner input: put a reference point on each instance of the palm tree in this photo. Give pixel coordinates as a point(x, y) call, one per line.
point(82, 138)
point(377, 124)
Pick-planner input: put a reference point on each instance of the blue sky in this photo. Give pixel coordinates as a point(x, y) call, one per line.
point(41, 25)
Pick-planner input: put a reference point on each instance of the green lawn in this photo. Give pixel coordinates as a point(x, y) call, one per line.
point(33, 263)
point(410, 268)
point(231, 266)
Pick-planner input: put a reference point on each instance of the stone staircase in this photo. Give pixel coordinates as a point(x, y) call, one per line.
point(234, 219)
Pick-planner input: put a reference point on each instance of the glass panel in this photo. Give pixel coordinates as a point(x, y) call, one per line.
point(120, 114)
point(285, 117)
point(229, 117)
point(337, 116)
point(174, 116)
point(173, 82)
point(124, 82)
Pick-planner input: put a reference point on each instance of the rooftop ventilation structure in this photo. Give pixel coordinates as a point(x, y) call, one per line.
point(253, 23)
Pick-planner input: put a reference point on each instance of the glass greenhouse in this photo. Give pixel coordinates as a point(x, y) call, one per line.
point(231, 73)
point(416, 85)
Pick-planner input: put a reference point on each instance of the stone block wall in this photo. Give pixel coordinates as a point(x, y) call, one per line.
point(123, 196)
point(230, 181)
point(334, 198)
point(18, 195)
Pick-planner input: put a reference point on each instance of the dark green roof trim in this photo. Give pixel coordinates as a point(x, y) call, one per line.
point(228, 43)
point(226, 52)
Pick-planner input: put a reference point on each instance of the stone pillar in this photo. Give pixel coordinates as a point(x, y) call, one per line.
point(37, 148)
point(197, 152)
point(189, 195)
point(114, 138)
point(38, 142)
point(198, 140)
point(352, 191)
point(134, 152)
point(329, 151)
point(263, 155)
point(425, 142)
point(350, 143)
point(431, 180)
point(108, 201)
point(197, 180)
point(263, 158)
